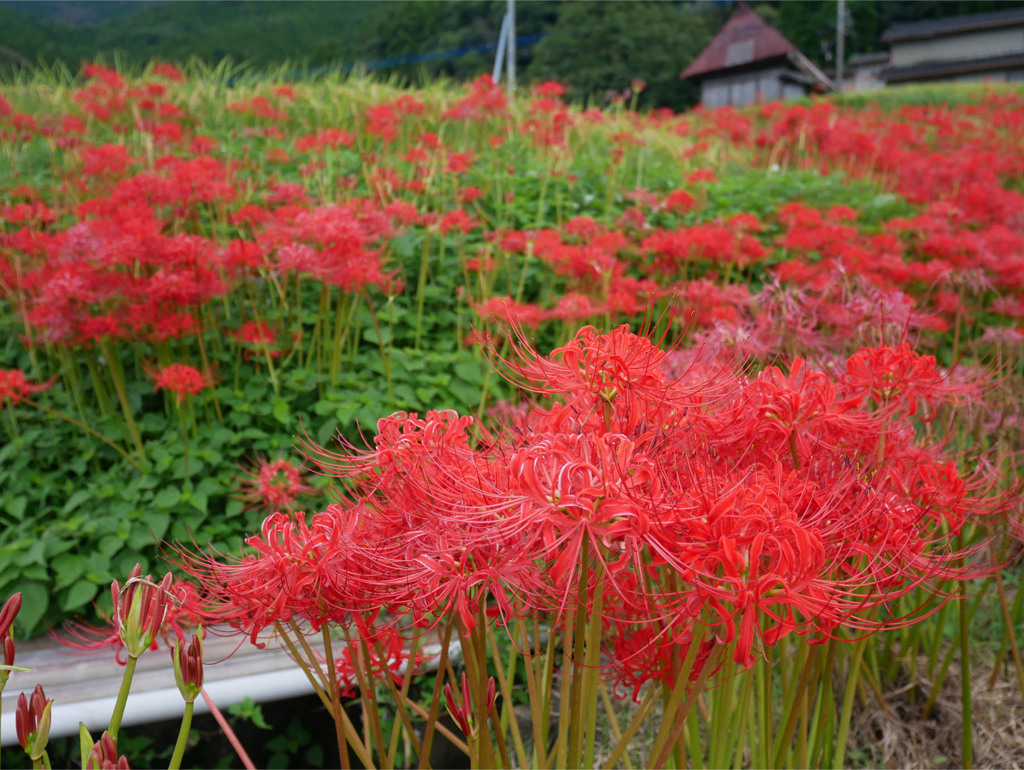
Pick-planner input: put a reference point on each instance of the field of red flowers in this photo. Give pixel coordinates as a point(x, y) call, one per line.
point(716, 412)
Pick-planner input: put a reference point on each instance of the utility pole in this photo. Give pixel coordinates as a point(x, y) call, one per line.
point(512, 45)
point(840, 43)
point(506, 53)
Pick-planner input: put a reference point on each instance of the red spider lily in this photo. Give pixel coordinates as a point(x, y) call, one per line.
point(144, 612)
point(272, 484)
point(104, 755)
point(289, 575)
point(613, 381)
point(899, 377)
point(32, 720)
point(182, 379)
point(14, 387)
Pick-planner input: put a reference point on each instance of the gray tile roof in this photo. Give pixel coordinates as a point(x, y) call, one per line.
point(953, 24)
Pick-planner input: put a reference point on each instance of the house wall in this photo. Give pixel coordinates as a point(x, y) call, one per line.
point(994, 75)
point(968, 45)
point(748, 88)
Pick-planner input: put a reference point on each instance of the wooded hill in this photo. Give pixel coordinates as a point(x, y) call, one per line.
point(592, 46)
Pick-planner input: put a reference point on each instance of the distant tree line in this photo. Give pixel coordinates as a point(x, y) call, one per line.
point(595, 47)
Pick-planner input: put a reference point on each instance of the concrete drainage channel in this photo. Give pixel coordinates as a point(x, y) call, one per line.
point(84, 686)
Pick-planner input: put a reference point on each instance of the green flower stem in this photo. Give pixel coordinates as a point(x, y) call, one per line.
point(824, 708)
point(669, 714)
point(939, 679)
point(720, 739)
point(420, 289)
point(499, 738)
point(742, 722)
point(1010, 635)
point(506, 681)
point(98, 386)
point(401, 699)
point(592, 670)
point(967, 758)
point(86, 428)
point(533, 690)
point(367, 694)
point(435, 701)
point(479, 638)
point(339, 727)
point(385, 358)
point(613, 721)
point(579, 638)
point(184, 438)
point(122, 697)
point(565, 701)
point(309, 665)
point(304, 664)
point(852, 678)
point(680, 718)
point(206, 368)
point(631, 729)
point(796, 703)
point(182, 742)
point(271, 372)
point(122, 396)
point(13, 429)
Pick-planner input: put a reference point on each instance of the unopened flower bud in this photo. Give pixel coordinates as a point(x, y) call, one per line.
point(104, 755)
point(32, 720)
point(188, 666)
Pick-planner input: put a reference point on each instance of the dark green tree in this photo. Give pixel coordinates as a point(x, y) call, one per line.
point(597, 46)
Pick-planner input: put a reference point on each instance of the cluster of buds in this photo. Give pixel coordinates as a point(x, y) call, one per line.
point(104, 755)
point(140, 608)
point(463, 714)
point(188, 666)
point(7, 616)
point(32, 720)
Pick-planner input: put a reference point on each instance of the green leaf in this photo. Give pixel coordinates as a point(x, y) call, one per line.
point(326, 431)
point(76, 500)
point(110, 545)
point(35, 600)
point(168, 497)
point(16, 507)
point(282, 412)
point(470, 372)
point(199, 501)
point(35, 554)
point(80, 593)
point(68, 568)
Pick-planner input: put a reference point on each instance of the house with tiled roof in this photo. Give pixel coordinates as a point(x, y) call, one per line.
point(981, 46)
point(750, 61)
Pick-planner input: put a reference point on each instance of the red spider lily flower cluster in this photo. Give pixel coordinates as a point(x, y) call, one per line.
point(14, 387)
point(181, 379)
point(273, 485)
point(793, 501)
